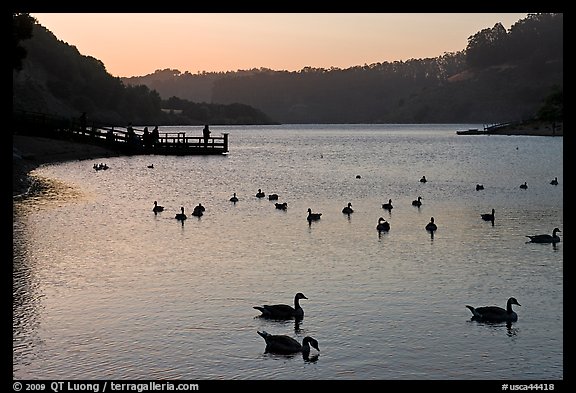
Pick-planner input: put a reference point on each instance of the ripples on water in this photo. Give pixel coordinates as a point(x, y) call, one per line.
point(104, 288)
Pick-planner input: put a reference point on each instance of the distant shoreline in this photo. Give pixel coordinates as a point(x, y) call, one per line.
point(529, 128)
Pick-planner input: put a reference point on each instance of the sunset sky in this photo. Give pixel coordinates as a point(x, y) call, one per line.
point(135, 44)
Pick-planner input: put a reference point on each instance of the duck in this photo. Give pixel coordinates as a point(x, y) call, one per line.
point(260, 194)
point(283, 311)
point(495, 313)
point(181, 216)
point(198, 212)
point(524, 186)
point(281, 206)
point(273, 197)
point(417, 202)
point(157, 208)
point(383, 225)
point(286, 345)
point(423, 179)
point(488, 216)
point(234, 198)
point(348, 209)
point(554, 238)
point(431, 226)
point(479, 187)
point(151, 166)
point(313, 216)
point(554, 182)
point(387, 206)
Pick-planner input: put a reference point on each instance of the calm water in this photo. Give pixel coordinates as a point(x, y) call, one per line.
point(106, 289)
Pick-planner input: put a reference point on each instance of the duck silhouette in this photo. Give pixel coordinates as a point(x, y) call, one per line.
point(423, 179)
point(431, 226)
point(313, 216)
point(554, 182)
point(348, 209)
point(524, 186)
point(273, 197)
point(181, 216)
point(495, 313)
point(157, 208)
point(488, 216)
point(286, 345)
point(260, 194)
point(281, 206)
point(283, 311)
point(417, 202)
point(387, 206)
point(479, 187)
point(383, 225)
point(234, 198)
point(545, 238)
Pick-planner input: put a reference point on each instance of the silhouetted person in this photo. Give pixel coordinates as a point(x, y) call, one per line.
point(155, 136)
point(206, 133)
point(146, 137)
point(110, 135)
point(83, 122)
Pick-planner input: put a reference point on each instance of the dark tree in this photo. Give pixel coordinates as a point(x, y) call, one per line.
point(22, 25)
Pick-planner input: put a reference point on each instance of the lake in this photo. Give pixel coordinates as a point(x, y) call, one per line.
point(104, 288)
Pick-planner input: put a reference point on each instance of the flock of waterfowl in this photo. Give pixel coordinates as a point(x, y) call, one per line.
point(283, 344)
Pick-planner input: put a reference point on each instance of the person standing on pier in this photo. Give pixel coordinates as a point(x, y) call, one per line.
point(206, 133)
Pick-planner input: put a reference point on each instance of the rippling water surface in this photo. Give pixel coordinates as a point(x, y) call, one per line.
point(104, 288)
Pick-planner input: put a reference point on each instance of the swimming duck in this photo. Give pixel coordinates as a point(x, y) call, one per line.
point(383, 225)
point(281, 206)
point(157, 208)
point(431, 226)
point(151, 166)
point(554, 182)
point(260, 194)
point(488, 216)
point(545, 238)
point(479, 187)
point(313, 216)
point(348, 209)
point(387, 206)
point(417, 202)
point(423, 179)
point(273, 197)
point(285, 345)
point(524, 186)
point(495, 313)
point(234, 198)
point(198, 211)
point(283, 311)
point(181, 216)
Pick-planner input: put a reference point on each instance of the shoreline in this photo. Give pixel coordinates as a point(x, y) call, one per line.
point(30, 152)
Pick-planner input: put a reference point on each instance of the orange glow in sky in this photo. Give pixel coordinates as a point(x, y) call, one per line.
point(136, 44)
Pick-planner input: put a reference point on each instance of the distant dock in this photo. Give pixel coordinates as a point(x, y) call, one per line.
point(118, 138)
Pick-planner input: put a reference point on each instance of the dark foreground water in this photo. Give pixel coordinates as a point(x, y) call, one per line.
point(106, 289)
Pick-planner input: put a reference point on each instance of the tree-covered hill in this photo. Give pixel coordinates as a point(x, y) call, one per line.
point(500, 76)
point(53, 77)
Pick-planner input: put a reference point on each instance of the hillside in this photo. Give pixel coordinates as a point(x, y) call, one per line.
point(500, 76)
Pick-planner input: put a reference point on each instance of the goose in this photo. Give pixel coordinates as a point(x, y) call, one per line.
point(348, 209)
point(181, 216)
point(417, 202)
point(387, 206)
point(273, 197)
point(383, 225)
point(283, 311)
point(488, 216)
point(545, 238)
point(479, 187)
point(524, 186)
point(281, 206)
point(285, 345)
point(554, 182)
point(423, 179)
point(234, 198)
point(157, 208)
point(197, 212)
point(151, 166)
point(495, 313)
point(313, 216)
point(431, 226)
point(260, 194)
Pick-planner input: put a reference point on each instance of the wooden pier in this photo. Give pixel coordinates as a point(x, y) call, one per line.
point(118, 138)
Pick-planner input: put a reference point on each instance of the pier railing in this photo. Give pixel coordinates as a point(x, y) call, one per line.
point(118, 138)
